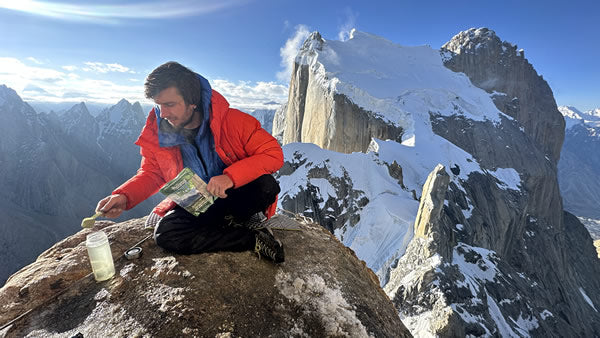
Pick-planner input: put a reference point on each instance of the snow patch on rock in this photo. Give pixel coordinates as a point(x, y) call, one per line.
point(314, 295)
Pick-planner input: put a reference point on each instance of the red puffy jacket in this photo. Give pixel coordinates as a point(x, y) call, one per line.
point(247, 150)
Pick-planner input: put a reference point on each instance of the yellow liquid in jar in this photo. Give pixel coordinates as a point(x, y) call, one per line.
point(102, 262)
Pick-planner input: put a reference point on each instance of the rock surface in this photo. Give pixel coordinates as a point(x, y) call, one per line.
point(498, 67)
point(321, 290)
point(496, 256)
point(506, 254)
point(432, 201)
point(326, 118)
point(279, 122)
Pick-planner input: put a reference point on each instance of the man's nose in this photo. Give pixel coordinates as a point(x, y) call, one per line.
point(164, 112)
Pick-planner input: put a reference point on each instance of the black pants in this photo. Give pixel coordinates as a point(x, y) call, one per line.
point(183, 233)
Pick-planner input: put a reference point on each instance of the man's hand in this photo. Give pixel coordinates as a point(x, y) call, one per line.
point(112, 206)
point(218, 184)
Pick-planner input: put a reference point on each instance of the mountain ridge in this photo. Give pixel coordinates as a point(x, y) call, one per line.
point(500, 213)
point(54, 170)
point(579, 166)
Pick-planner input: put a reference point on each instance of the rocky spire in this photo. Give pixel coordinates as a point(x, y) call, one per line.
point(518, 91)
point(492, 252)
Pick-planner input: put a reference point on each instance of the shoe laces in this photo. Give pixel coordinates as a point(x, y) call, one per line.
point(264, 248)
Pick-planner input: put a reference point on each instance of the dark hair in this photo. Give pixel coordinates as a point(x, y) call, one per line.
point(173, 74)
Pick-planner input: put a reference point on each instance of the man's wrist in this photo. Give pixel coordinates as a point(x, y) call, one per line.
point(122, 199)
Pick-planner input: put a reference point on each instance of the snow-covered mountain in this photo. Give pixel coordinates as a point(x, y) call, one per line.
point(478, 246)
point(579, 166)
point(55, 169)
point(265, 117)
point(119, 126)
point(574, 116)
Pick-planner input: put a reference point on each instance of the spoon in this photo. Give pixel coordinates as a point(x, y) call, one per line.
point(88, 222)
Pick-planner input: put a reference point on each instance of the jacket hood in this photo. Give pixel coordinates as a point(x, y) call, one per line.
point(168, 136)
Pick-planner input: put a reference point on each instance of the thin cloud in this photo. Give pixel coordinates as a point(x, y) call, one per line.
point(247, 96)
point(103, 68)
point(35, 90)
point(14, 70)
point(73, 95)
point(34, 60)
point(69, 68)
point(289, 51)
point(36, 83)
point(110, 14)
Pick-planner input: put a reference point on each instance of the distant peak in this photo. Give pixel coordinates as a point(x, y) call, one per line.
point(594, 112)
point(9, 96)
point(7, 92)
point(123, 102)
point(121, 112)
point(78, 109)
point(571, 112)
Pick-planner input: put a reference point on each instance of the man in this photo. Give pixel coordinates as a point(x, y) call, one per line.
point(193, 126)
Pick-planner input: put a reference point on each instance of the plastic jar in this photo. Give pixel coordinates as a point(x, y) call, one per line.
point(100, 255)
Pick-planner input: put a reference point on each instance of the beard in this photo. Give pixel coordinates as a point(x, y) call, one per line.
point(185, 123)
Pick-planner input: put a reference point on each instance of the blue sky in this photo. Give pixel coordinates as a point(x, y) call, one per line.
point(81, 51)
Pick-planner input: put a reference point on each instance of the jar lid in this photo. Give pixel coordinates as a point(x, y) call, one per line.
point(95, 239)
point(133, 253)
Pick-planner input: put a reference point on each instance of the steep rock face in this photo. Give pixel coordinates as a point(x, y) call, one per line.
point(279, 122)
point(432, 201)
point(329, 210)
point(497, 67)
point(497, 259)
point(321, 290)
point(507, 231)
point(318, 114)
point(497, 269)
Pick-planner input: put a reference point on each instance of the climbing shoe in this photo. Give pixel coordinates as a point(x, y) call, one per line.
point(268, 246)
point(255, 222)
point(152, 220)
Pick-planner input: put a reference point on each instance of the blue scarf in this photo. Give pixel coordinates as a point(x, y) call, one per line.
point(201, 156)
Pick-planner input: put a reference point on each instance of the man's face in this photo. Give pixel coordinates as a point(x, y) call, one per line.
point(174, 109)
